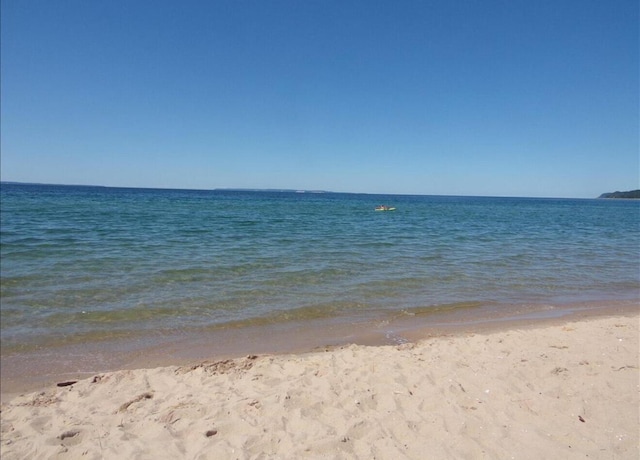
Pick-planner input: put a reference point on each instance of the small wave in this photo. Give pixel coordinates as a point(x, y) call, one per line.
point(395, 339)
point(442, 308)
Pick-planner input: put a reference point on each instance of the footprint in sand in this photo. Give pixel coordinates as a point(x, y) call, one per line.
point(68, 438)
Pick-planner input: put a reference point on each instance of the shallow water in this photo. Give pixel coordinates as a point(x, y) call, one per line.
point(109, 266)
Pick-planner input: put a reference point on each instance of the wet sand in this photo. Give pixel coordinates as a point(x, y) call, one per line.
point(34, 369)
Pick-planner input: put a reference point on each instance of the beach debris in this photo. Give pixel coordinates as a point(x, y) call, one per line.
point(581, 419)
point(224, 366)
point(67, 383)
point(210, 433)
point(42, 399)
point(559, 370)
point(221, 367)
point(126, 405)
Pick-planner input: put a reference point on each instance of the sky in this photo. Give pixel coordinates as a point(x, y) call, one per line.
point(434, 97)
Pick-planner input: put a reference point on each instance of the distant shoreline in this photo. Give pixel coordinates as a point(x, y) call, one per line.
point(266, 190)
point(312, 191)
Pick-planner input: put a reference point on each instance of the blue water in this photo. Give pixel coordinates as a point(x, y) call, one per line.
point(87, 264)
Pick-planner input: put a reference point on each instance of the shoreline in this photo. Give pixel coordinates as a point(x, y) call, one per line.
point(32, 371)
point(552, 389)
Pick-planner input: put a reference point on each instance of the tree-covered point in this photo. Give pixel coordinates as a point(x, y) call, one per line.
point(629, 194)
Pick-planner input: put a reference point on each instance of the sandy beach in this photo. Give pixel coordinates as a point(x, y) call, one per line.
point(566, 390)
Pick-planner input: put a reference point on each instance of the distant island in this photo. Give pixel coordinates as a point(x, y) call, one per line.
point(629, 194)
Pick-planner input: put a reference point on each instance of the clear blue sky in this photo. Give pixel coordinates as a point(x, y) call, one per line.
point(512, 97)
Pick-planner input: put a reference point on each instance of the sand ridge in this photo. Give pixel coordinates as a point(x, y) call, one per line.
point(561, 391)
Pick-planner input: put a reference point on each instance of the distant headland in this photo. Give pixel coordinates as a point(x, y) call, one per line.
point(278, 190)
point(629, 194)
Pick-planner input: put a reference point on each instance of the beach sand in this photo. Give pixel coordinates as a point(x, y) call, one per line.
point(566, 390)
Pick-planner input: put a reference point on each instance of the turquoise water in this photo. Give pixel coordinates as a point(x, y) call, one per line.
point(91, 264)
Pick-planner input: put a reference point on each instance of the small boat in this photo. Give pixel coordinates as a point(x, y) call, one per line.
point(385, 208)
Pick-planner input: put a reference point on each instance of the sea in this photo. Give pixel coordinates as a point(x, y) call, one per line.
point(98, 278)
